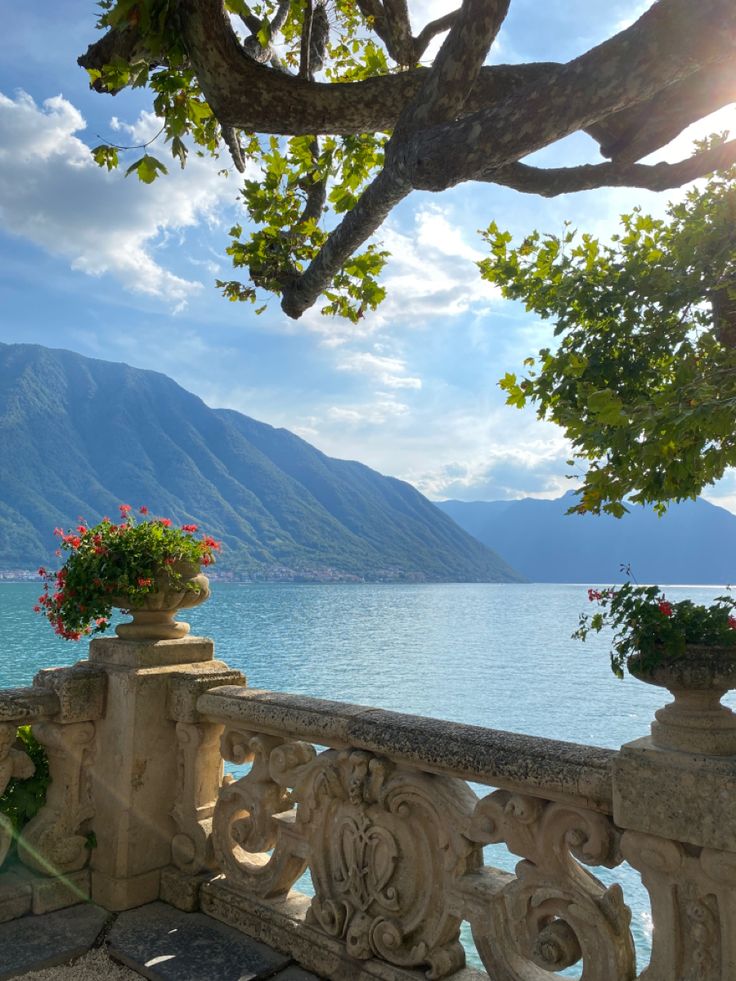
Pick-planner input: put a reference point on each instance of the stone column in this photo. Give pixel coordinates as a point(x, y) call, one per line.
point(678, 809)
point(135, 774)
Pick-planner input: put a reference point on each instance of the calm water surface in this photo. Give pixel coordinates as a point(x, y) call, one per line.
point(497, 655)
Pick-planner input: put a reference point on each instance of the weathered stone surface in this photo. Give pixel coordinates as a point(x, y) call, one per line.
point(79, 689)
point(23, 705)
point(52, 842)
point(119, 893)
point(16, 897)
point(181, 889)
point(137, 774)
point(34, 942)
point(684, 796)
point(185, 688)
point(295, 973)
point(281, 924)
point(549, 768)
point(693, 897)
point(165, 944)
point(113, 651)
point(53, 894)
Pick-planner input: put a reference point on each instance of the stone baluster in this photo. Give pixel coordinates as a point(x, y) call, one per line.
point(199, 778)
point(18, 706)
point(553, 912)
point(55, 842)
point(13, 763)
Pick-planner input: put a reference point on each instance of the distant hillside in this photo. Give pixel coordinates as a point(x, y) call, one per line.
point(79, 436)
point(694, 542)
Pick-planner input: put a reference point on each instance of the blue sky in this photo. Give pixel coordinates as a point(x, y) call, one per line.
point(110, 268)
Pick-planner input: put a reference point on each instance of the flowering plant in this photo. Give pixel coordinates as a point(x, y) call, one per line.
point(113, 564)
point(646, 623)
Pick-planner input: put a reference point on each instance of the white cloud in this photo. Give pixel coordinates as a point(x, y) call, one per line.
point(377, 412)
point(390, 372)
point(53, 194)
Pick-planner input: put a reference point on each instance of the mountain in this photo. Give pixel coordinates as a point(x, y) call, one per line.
point(80, 436)
point(694, 542)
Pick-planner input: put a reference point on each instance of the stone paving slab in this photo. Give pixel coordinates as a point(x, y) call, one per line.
point(164, 944)
point(28, 944)
point(295, 973)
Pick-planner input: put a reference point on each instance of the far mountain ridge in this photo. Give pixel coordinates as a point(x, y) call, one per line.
point(694, 542)
point(79, 436)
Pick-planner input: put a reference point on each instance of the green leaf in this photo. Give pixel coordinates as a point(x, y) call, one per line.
point(105, 156)
point(147, 169)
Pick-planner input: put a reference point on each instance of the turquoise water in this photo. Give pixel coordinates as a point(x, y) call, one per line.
point(497, 655)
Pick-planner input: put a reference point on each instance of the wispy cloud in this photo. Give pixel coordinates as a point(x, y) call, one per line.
point(376, 412)
point(390, 372)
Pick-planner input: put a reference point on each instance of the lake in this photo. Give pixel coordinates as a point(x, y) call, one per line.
point(497, 655)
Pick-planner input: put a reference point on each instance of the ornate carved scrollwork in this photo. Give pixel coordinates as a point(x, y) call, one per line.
point(14, 762)
point(254, 815)
point(199, 775)
point(386, 847)
point(51, 842)
point(693, 896)
point(554, 912)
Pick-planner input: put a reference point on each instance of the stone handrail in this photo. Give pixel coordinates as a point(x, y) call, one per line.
point(22, 706)
point(513, 761)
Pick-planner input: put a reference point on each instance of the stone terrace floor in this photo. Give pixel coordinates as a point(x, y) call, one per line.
point(154, 941)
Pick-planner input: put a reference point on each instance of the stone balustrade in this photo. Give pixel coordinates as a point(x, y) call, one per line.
point(378, 807)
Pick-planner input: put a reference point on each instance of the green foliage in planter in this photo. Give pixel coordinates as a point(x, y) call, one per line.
point(647, 624)
point(24, 798)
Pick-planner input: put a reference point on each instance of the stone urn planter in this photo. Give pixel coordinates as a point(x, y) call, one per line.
point(696, 721)
point(154, 617)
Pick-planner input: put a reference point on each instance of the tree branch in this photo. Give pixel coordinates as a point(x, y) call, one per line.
point(431, 30)
point(390, 21)
point(306, 41)
point(398, 27)
point(631, 134)
point(457, 65)
point(255, 98)
point(315, 188)
point(668, 43)
point(372, 209)
point(453, 74)
point(549, 182)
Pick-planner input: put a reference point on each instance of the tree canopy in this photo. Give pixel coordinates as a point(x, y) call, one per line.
point(328, 110)
point(643, 380)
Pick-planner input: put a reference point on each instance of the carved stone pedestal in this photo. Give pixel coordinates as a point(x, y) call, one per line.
point(679, 812)
point(139, 774)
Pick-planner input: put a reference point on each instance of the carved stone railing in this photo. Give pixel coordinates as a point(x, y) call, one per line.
point(393, 837)
point(378, 808)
